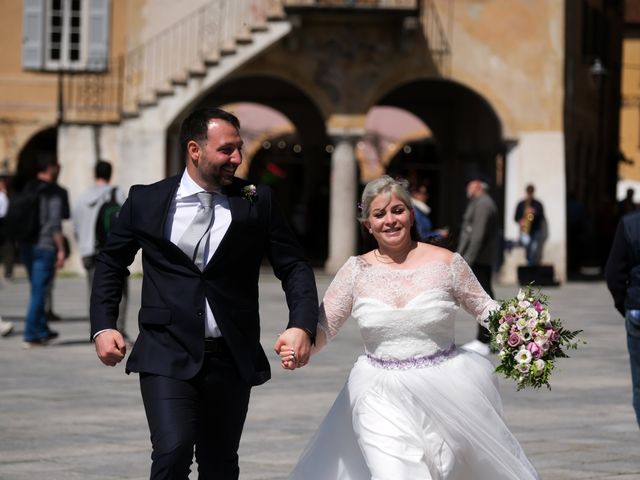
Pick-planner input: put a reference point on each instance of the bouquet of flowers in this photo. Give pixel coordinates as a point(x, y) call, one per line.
point(527, 340)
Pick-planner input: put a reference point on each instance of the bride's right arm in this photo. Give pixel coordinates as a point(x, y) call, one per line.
point(335, 308)
point(336, 304)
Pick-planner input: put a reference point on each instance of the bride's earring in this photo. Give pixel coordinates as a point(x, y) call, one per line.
point(371, 230)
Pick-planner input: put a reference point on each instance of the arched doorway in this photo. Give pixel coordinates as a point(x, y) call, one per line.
point(466, 139)
point(44, 142)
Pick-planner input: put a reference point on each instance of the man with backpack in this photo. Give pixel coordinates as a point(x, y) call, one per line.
point(93, 216)
point(34, 221)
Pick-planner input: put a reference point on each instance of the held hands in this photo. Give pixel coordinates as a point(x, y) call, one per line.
point(110, 347)
point(288, 358)
point(294, 348)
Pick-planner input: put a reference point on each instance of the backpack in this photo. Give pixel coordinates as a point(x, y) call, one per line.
point(107, 216)
point(22, 221)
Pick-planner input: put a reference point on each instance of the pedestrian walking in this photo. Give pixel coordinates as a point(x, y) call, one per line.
point(478, 245)
point(89, 217)
point(34, 219)
point(622, 273)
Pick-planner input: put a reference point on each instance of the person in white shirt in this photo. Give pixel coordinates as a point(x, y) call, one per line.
point(85, 215)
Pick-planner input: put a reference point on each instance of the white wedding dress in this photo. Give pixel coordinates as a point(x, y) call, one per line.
point(414, 407)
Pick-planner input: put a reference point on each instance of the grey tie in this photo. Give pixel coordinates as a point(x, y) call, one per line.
point(196, 236)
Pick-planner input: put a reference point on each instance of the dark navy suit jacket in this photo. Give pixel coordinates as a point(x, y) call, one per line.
point(172, 314)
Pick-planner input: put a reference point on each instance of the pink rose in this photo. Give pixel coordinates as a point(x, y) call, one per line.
point(514, 340)
point(509, 319)
point(552, 335)
point(538, 306)
point(536, 351)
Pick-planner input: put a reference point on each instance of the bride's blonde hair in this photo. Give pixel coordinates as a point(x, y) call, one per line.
point(383, 185)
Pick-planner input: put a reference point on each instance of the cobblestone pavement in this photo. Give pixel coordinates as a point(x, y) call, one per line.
point(65, 416)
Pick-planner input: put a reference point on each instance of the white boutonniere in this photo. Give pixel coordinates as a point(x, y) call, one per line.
point(250, 193)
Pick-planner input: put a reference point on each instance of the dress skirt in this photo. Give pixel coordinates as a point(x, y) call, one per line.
point(441, 421)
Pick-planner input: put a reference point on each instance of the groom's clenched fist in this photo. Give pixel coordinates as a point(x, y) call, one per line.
point(110, 347)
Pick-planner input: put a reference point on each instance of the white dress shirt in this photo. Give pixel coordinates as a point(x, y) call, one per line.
point(182, 211)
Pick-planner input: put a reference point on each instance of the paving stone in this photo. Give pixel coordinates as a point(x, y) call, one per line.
point(65, 416)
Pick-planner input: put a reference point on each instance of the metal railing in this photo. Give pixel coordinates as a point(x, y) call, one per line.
point(92, 97)
point(188, 47)
point(437, 38)
point(194, 43)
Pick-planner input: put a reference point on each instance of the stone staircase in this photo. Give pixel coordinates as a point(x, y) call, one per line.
point(191, 46)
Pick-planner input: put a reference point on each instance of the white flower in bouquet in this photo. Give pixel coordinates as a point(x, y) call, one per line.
point(538, 367)
point(532, 313)
point(523, 356)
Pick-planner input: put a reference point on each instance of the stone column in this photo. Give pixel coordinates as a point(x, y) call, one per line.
point(77, 157)
point(342, 208)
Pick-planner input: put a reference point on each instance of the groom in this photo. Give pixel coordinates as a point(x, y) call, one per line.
point(203, 236)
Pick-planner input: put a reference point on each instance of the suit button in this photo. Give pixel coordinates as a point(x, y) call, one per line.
point(200, 313)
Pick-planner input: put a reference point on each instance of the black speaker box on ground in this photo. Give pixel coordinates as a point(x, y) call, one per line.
point(539, 275)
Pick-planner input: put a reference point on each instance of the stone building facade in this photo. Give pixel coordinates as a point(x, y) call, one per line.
point(487, 78)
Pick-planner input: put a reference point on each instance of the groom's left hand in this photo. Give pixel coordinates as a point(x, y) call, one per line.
point(299, 341)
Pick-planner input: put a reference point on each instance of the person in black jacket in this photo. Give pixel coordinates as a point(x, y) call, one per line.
point(198, 350)
point(43, 254)
point(622, 273)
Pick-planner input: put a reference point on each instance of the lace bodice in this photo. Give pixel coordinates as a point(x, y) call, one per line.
point(403, 313)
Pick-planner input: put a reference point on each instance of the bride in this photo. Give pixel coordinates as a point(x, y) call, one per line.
point(414, 406)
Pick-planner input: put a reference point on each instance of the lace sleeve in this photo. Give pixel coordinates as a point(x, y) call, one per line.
point(469, 293)
point(336, 305)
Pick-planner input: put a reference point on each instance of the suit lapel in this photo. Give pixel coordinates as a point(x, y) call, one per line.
point(154, 206)
point(165, 205)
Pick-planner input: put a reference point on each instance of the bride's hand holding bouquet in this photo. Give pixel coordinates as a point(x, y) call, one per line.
point(527, 340)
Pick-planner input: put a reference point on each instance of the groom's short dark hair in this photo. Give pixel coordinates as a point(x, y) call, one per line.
point(196, 125)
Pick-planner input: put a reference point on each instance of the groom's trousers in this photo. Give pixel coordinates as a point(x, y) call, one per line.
point(207, 412)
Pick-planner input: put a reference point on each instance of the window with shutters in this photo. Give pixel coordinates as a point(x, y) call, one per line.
point(66, 35)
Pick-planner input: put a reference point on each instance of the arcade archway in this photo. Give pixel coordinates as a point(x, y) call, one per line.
point(466, 138)
point(44, 142)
